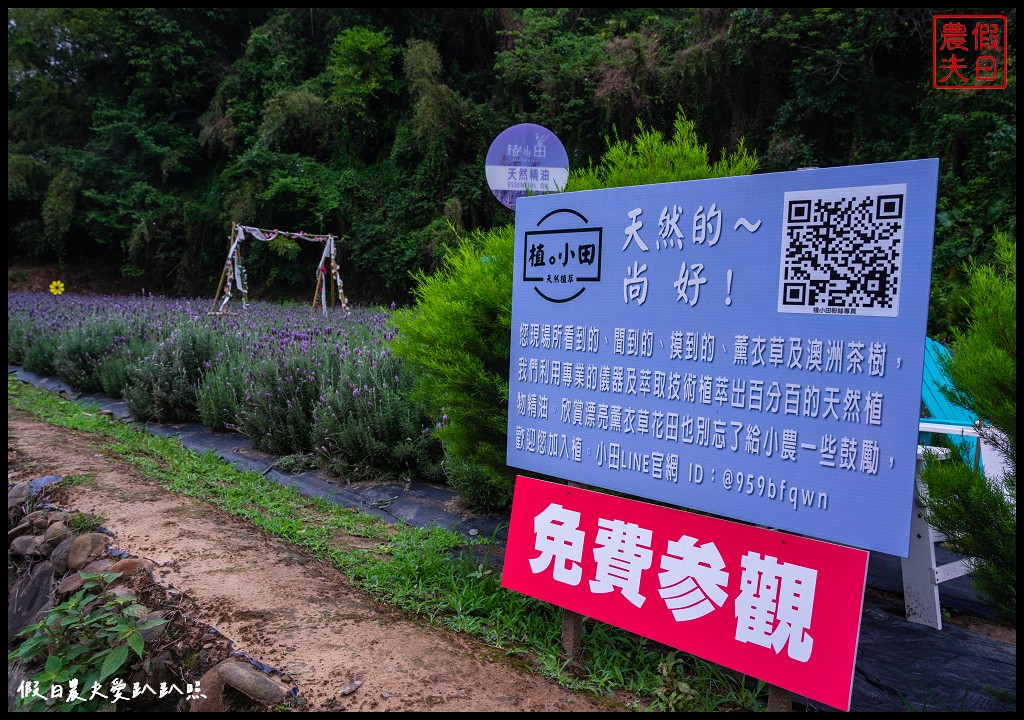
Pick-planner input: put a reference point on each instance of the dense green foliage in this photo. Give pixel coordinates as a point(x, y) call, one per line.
point(650, 158)
point(92, 356)
point(371, 429)
point(978, 514)
point(162, 386)
point(165, 125)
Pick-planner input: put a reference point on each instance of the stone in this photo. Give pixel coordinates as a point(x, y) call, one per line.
point(58, 516)
point(211, 693)
point(69, 584)
point(29, 546)
point(153, 634)
point(16, 675)
point(59, 556)
point(86, 548)
point(122, 592)
point(56, 533)
point(99, 566)
point(130, 566)
point(17, 494)
point(30, 597)
point(253, 682)
point(214, 694)
point(22, 529)
point(351, 687)
point(38, 519)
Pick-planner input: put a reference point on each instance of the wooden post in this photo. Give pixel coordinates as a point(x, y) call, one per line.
point(779, 700)
point(572, 635)
point(223, 270)
point(316, 290)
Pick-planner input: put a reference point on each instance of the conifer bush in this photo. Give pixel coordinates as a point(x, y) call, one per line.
point(978, 513)
point(457, 334)
point(456, 339)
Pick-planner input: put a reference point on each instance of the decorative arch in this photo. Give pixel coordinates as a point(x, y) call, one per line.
point(234, 276)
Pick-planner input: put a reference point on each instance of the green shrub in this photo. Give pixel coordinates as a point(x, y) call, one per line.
point(32, 344)
point(163, 386)
point(274, 389)
point(456, 340)
point(457, 333)
point(978, 514)
point(649, 158)
point(17, 331)
point(79, 353)
point(217, 398)
point(113, 371)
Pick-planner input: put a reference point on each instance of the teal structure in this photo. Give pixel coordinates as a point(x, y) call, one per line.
point(937, 406)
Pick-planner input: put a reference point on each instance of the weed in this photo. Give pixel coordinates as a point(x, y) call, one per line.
point(296, 463)
point(84, 523)
point(72, 480)
point(84, 640)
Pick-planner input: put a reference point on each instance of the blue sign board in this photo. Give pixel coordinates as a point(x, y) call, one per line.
point(750, 347)
point(526, 159)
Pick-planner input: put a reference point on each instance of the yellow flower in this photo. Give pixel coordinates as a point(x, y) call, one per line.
point(56, 287)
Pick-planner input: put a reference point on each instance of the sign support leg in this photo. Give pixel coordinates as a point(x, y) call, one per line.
point(572, 635)
point(779, 699)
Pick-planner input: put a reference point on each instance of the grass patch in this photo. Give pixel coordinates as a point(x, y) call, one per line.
point(80, 523)
point(296, 463)
point(430, 572)
point(72, 480)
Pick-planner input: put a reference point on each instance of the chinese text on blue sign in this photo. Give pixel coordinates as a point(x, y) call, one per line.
point(750, 347)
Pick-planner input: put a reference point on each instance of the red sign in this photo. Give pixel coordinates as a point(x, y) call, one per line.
point(969, 52)
point(781, 608)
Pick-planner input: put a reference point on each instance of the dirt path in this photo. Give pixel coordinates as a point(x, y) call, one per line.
point(277, 605)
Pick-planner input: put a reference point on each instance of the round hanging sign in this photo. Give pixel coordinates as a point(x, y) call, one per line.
point(526, 159)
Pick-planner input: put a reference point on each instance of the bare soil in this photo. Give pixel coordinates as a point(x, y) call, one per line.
point(279, 606)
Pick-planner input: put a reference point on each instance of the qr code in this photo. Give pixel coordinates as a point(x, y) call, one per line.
point(842, 251)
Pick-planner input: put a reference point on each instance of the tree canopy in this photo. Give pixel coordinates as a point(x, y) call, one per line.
point(137, 135)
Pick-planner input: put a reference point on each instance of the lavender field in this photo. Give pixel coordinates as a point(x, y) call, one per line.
point(325, 390)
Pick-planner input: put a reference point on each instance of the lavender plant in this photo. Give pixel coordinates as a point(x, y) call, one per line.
point(163, 385)
point(370, 428)
point(291, 380)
